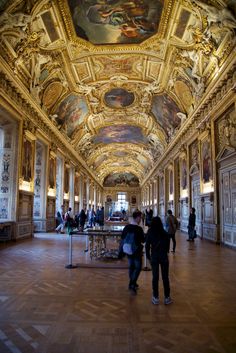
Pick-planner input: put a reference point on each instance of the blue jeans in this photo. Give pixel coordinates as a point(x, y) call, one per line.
point(135, 266)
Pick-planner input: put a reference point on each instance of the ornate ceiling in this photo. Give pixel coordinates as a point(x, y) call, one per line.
point(118, 78)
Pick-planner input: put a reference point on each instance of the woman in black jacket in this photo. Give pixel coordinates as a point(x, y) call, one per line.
point(158, 242)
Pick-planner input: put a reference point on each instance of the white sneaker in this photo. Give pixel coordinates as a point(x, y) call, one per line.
point(155, 300)
point(167, 300)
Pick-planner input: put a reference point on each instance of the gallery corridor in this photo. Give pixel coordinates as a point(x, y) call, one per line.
point(46, 308)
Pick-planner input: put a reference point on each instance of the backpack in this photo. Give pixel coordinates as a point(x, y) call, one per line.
point(129, 246)
point(69, 221)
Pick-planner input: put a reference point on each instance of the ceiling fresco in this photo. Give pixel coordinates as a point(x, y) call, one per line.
point(117, 78)
point(119, 134)
point(121, 179)
point(118, 98)
point(71, 113)
point(165, 111)
point(116, 21)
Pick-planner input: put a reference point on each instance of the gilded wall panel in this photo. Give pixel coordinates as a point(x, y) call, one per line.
point(193, 154)
point(82, 71)
point(225, 130)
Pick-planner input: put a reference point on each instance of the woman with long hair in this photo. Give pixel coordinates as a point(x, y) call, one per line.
point(157, 245)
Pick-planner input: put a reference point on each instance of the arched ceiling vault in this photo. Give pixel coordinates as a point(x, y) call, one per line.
point(118, 78)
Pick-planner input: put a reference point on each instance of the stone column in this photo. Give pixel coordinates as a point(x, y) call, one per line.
point(154, 197)
point(87, 192)
point(81, 192)
point(149, 195)
point(95, 197)
point(157, 193)
point(59, 183)
point(72, 188)
point(66, 189)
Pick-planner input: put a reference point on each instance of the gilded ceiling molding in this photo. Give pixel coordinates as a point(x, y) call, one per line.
point(36, 118)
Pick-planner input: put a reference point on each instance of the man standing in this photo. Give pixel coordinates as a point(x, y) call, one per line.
point(171, 227)
point(135, 260)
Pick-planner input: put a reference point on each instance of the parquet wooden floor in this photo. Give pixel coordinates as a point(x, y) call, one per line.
point(46, 308)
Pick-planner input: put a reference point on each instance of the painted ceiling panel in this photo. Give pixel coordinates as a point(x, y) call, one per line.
point(165, 111)
point(116, 21)
point(71, 113)
point(118, 98)
point(121, 179)
point(120, 134)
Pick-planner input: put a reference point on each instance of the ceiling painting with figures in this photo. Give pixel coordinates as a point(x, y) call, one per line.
point(119, 80)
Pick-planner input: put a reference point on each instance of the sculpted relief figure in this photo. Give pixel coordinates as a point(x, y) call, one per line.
point(38, 61)
point(85, 89)
point(194, 57)
point(182, 117)
point(222, 16)
point(227, 131)
point(153, 87)
point(17, 20)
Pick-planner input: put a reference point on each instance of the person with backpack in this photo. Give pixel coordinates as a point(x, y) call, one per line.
point(61, 221)
point(171, 227)
point(157, 244)
point(133, 238)
point(69, 219)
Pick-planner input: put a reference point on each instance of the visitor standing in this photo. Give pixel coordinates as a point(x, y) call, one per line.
point(171, 227)
point(157, 244)
point(82, 219)
point(191, 225)
point(134, 260)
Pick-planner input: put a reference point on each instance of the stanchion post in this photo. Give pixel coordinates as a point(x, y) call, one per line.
point(70, 234)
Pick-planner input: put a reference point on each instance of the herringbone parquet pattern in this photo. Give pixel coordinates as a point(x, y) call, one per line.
point(46, 308)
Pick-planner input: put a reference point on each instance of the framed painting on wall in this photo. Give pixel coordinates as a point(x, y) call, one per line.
point(66, 180)
point(77, 185)
point(133, 200)
point(27, 160)
point(184, 174)
point(206, 160)
point(52, 173)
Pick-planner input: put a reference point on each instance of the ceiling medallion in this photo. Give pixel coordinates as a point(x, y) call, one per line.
point(118, 98)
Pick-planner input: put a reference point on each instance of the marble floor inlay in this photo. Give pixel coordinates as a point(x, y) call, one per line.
point(46, 308)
